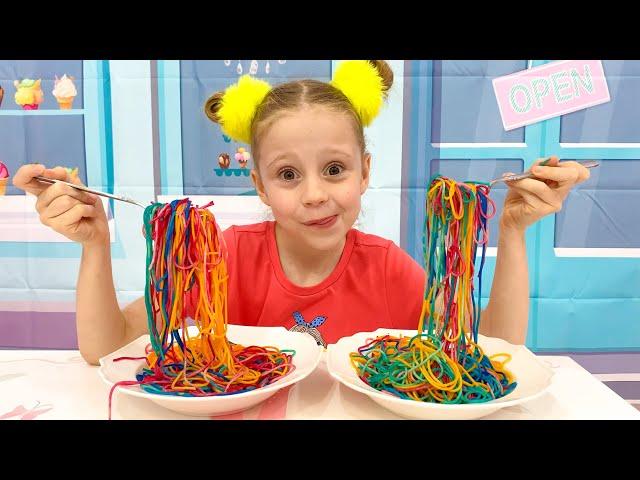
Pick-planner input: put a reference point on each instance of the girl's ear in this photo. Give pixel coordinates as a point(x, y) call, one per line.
point(257, 182)
point(366, 169)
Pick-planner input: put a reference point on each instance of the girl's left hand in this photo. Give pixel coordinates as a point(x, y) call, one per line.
point(530, 199)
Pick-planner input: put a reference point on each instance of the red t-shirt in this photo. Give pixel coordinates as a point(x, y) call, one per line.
point(375, 284)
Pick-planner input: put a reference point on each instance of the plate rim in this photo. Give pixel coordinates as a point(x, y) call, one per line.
point(136, 391)
point(490, 405)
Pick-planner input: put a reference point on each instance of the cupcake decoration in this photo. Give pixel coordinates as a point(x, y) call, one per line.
point(72, 174)
point(4, 178)
point(29, 94)
point(224, 160)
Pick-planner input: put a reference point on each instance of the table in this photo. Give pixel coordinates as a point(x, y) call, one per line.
point(58, 384)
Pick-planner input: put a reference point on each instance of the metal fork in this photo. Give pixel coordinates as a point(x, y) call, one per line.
point(85, 189)
point(520, 176)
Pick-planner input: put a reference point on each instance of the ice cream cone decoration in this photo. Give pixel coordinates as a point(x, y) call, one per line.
point(65, 92)
point(242, 156)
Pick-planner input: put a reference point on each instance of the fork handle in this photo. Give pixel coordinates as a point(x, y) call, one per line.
point(529, 174)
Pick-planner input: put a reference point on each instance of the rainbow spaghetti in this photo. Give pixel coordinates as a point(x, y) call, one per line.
point(443, 362)
point(186, 276)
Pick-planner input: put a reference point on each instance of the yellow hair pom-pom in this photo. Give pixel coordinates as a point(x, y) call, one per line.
point(361, 83)
point(238, 107)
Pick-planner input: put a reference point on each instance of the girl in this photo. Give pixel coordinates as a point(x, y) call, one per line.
point(308, 270)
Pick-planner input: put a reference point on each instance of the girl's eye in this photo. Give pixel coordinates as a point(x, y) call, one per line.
point(288, 175)
point(334, 169)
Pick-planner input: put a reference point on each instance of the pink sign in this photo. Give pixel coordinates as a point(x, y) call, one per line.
point(550, 90)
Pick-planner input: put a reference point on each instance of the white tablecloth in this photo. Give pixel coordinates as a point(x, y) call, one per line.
point(37, 384)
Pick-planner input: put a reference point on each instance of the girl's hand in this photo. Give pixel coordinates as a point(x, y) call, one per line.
point(530, 199)
point(77, 215)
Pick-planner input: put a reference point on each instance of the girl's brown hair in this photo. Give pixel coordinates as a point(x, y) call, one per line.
point(297, 94)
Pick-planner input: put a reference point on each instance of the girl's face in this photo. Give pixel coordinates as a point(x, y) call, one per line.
point(312, 173)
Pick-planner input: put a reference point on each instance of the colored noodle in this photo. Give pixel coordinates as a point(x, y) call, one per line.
point(186, 276)
point(443, 362)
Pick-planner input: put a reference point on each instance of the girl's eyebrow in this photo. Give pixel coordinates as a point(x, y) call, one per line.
point(334, 150)
point(328, 150)
point(281, 156)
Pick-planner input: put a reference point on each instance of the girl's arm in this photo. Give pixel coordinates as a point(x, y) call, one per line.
point(528, 200)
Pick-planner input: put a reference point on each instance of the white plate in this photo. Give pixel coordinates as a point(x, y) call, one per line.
point(306, 359)
point(533, 378)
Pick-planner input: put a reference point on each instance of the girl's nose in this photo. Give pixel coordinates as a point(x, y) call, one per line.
point(314, 193)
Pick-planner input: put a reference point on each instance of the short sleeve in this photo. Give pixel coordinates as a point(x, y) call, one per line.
point(405, 280)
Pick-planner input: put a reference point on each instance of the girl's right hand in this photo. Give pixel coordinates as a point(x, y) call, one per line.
point(77, 215)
